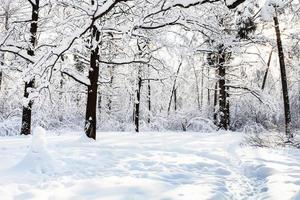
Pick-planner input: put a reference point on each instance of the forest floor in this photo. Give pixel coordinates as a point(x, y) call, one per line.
point(158, 166)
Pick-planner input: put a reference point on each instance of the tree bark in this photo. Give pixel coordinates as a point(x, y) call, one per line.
point(202, 88)
point(215, 116)
point(208, 90)
point(99, 103)
point(267, 71)
point(175, 99)
point(91, 106)
point(61, 116)
point(197, 89)
point(227, 108)
point(174, 88)
point(110, 90)
point(2, 54)
point(1, 69)
point(287, 113)
point(149, 101)
point(137, 103)
point(26, 114)
point(223, 94)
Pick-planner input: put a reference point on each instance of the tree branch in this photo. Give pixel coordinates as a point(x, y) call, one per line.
point(75, 79)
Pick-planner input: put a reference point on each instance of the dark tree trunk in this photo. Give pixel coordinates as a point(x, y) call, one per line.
point(222, 91)
point(99, 103)
point(1, 68)
point(215, 117)
point(227, 108)
point(174, 88)
point(202, 88)
point(197, 89)
point(149, 101)
point(26, 115)
point(137, 104)
point(61, 116)
point(91, 106)
point(287, 113)
point(109, 105)
point(208, 90)
point(267, 71)
point(7, 14)
point(175, 99)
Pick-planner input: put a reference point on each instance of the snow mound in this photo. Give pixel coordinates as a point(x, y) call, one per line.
point(85, 139)
point(38, 160)
point(38, 140)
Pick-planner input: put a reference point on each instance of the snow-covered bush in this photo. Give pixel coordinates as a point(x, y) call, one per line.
point(270, 140)
point(10, 126)
point(253, 128)
point(111, 124)
point(199, 124)
point(249, 113)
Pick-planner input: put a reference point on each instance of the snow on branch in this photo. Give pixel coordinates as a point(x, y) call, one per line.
point(21, 53)
point(125, 62)
point(76, 76)
point(105, 8)
point(59, 52)
point(231, 4)
point(190, 3)
point(254, 93)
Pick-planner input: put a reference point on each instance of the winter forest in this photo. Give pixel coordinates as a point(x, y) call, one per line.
point(150, 99)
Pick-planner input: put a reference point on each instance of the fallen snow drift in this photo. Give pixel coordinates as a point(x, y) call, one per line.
point(38, 160)
point(147, 166)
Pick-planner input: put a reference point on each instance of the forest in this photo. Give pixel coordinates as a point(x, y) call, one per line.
point(113, 77)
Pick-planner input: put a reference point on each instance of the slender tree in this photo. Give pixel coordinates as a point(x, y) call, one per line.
point(29, 85)
point(285, 93)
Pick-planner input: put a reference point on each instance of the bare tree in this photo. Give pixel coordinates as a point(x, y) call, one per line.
point(285, 94)
point(29, 85)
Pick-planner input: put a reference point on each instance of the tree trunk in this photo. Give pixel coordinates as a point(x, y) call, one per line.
point(174, 88)
point(91, 106)
point(26, 115)
point(1, 68)
point(149, 101)
point(2, 54)
point(222, 91)
point(137, 104)
point(215, 117)
point(267, 71)
point(202, 88)
point(110, 90)
point(227, 108)
point(61, 116)
point(99, 103)
point(197, 89)
point(208, 90)
point(175, 99)
point(287, 113)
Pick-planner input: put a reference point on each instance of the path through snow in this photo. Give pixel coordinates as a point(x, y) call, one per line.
point(166, 166)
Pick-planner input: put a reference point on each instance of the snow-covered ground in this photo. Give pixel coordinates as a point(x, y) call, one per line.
point(143, 166)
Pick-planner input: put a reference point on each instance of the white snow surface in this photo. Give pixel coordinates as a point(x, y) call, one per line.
point(158, 166)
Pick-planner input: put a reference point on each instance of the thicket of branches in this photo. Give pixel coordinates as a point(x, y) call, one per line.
point(119, 65)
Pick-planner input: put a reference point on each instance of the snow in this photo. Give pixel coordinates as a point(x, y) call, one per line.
point(145, 166)
point(268, 11)
point(37, 160)
point(38, 140)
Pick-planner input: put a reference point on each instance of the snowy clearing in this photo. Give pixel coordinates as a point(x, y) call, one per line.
point(146, 166)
